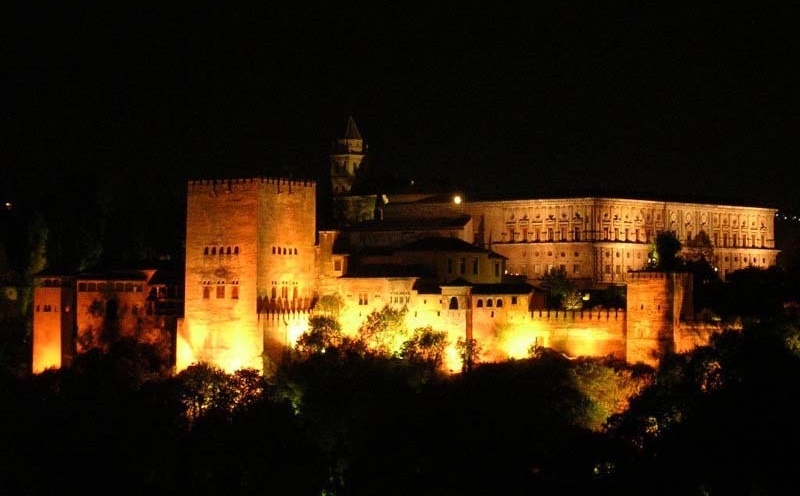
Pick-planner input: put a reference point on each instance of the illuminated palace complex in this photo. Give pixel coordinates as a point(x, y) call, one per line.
point(256, 267)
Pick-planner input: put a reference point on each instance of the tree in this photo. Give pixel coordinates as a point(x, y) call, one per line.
point(323, 332)
point(469, 351)
point(425, 346)
point(665, 256)
point(384, 329)
point(562, 290)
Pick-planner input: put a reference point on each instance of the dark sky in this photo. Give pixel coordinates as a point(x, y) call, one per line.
point(553, 98)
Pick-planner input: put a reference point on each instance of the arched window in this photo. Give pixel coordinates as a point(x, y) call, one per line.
point(205, 250)
point(489, 302)
point(284, 251)
point(480, 303)
point(221, 250)
point(273, 250)
point(228, 251)
point(295, 251)
point(453, 303)
point(214, 250)
point(235, 250)
point(499, 302)
point(274, 292)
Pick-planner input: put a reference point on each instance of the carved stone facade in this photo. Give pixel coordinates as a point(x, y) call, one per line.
point(601, 239)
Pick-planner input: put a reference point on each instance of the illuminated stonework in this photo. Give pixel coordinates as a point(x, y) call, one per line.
point(255, 268)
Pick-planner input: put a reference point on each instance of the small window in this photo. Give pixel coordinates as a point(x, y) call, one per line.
point(499, 302)
point(337, 265)
point(295, 251)
point(453, 303)
point(480, 303)
point(205, 250)
point(235, 292)
point(513, 300)
point(92, 286)
point(489, 302)
point(220, 291)
point(462, 266)
point(228, 251)
point(475, 266)
point(206, 292)
point(235, 250)
point(81, 286)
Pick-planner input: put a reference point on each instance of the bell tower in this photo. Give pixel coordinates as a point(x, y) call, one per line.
point(346, 158)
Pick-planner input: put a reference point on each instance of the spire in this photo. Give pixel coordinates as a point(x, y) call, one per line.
point(352, 131)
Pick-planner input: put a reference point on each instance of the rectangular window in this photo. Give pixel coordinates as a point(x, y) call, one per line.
point(563, 234)
point(337, 265)
point(605, 233)
point(220, 291)
point(475, 266)
point(576, 269)
point(497, 270)
point(206, 292)
point(363, 298)
point(82, 286)
point(462, 266)
point(608, 268)
point(550, 234)
point(449, 265)
point(577, 234)
point(235, 292)
point(537, 269)
point(513, 300)
point(618, 269)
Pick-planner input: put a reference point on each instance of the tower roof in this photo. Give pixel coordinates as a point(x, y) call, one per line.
point(352, 130)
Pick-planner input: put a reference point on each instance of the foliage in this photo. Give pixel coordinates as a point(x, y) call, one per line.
point(667, 247)
point(607, 385)
point(719, 415)
point(469, 352)
point(562, 290)
point(323, 332)
point(208, 391)
point(383, 330)
point(425, 346)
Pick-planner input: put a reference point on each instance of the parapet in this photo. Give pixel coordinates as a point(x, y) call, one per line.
point(578, 315)
point(230, 184)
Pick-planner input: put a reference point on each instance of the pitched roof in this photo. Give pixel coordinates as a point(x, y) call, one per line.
point(437, 243)
point(412, 223)
point(352, 131)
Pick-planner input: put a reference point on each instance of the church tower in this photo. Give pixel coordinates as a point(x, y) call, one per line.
point(346, 158)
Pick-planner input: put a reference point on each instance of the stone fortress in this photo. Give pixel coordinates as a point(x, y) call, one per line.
point(256, 268)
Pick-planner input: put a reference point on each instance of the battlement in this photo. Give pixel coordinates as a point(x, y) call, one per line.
point(578, 315)
point(229, 183)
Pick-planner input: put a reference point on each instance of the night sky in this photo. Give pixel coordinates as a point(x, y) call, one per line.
point(554, 98)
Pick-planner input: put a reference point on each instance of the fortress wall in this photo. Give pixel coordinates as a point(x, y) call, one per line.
point(510, 334)
point(693, 334)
